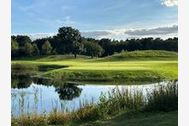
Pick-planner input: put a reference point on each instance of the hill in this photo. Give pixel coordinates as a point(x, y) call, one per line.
point(143, 55)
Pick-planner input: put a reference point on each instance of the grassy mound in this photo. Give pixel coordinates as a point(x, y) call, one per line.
point(143, 55)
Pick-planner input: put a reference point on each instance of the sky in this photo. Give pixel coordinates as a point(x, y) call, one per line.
point(114, 19)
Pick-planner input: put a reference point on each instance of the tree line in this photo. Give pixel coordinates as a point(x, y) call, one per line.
point(69, 41)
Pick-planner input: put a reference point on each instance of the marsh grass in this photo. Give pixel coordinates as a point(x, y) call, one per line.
point(58, 118)
point(29, 120)
point(162, 98)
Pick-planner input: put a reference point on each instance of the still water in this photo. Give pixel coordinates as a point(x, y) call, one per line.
point(43, 99)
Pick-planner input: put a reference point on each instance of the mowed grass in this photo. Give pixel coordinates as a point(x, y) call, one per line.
point(128, 66)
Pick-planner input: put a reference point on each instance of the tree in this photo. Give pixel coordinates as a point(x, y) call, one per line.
point(70, 39)
point(23, 39)
point(28, 49)
point(14, 47)
point(134, 44)
point(36, 51)
point(106, 45)
point(93, 49)
point(46, 48)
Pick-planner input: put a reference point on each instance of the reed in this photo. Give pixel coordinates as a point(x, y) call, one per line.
point(161, 98)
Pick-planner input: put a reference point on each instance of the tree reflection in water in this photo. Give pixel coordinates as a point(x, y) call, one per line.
point(24, 81)
point(68, 91)
point(20, 81)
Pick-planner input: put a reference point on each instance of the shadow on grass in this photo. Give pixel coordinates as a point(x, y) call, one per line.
point(142, 119)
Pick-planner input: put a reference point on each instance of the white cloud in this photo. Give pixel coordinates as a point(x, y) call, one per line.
point(169, 3)
point(40, 35)
point(122, 34)
point(153, 31)
point(162, 32)
point(95, 34)
point(34, 36)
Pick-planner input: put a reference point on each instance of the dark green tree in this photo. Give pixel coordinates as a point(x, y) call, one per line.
point(106, 45)
point(28, 49)
point(93, 49)
point(23, 39)
point(46, 48)
point(14, 47)
point(70, 40)
point(36, 51)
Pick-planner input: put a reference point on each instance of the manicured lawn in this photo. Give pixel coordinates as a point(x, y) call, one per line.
point(136, 66)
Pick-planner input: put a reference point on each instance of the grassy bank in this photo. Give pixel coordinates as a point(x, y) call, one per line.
point(143, 119)
point(164, 98)
point(128, 66)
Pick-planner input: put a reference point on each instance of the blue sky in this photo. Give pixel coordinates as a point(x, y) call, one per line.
point(103, 18)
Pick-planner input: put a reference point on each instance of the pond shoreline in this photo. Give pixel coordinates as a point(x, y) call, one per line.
point(111, 105)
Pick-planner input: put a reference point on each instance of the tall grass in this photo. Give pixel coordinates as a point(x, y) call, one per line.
point(58, 118)
point(163, 98)
point(160, 98)
point(30, 120)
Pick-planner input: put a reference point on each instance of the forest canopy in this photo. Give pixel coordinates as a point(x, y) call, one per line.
point(69, 41)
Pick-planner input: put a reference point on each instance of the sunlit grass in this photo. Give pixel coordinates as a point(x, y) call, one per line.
point(160, 65)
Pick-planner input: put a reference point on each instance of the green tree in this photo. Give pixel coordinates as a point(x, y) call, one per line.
point(28, 49)
point(14, 47)
point(70, 39)
point(36, 51)
point(93, 49)
point(23, 39)
point(106, 45)
point(46, 48)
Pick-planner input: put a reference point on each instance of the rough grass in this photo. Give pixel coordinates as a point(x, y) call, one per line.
point(128, 66)
point(144, 119)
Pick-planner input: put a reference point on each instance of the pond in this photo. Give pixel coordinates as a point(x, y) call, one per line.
point(30, 97)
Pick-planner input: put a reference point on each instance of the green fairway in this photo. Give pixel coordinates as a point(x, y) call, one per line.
point(127, 66)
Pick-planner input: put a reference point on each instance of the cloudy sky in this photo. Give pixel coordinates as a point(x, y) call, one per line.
point(115, 19)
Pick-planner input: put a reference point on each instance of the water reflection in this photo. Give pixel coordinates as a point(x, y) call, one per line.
point(68, 92)
point(20, 81)
point(43, 99)
point(25, 80)
point(41, 95)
